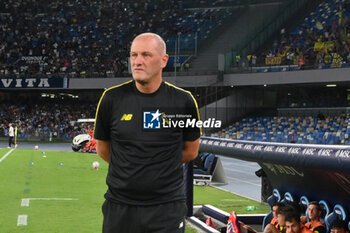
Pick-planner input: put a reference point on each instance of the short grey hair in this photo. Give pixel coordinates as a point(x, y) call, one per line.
point(159, 39)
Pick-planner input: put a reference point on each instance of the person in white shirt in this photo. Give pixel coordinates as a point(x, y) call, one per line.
point(11, 134)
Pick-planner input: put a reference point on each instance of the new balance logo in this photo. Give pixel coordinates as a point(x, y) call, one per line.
point(126, 117)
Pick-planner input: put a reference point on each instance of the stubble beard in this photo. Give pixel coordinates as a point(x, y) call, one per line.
point(141, 82)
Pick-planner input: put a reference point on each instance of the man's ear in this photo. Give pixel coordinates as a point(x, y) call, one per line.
point(165, 59)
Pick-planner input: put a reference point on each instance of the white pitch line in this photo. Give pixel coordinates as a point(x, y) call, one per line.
point(258, 200)
point(22, 220)
point(7, 154)
point(25, 201)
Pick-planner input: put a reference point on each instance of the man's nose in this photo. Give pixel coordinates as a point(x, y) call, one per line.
point(138, 60)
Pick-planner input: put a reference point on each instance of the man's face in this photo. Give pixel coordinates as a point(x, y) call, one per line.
point(147, 60)
point(274, 209)
point(281, 220)
point(338, 230)
point(314, 214)
point(293, 227)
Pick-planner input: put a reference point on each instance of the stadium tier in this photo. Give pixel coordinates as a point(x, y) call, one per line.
point(321, 41)
point(92, 39)
point(312, 130)
point(45, 119)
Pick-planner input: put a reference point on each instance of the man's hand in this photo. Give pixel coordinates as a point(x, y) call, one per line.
point(190, 150)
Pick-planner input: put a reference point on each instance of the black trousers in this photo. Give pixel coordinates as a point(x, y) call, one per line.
point(163, 218)
point(10, 141)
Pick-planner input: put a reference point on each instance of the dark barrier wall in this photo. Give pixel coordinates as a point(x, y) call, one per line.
point(316, 171)
point(180, 81)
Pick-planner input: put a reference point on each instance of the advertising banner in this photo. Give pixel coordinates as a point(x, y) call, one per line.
point(34, 83)
point(316, 171)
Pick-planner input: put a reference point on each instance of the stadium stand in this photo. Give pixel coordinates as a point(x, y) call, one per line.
point(45, 119)
point(91, 39)
point(321, 41)
point(331, 130)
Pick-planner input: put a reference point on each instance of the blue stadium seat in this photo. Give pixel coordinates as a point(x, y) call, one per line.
point(278, 129)
point(304, 204)
point(338, 213)
point(275, 197)
point(325, 209)
point(209, 165)
point(203, 156)
point(287, 198)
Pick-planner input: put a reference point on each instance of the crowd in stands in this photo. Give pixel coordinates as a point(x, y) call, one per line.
point(321, 41)
point(45, 120)
point(315, 130)
point(78, 38)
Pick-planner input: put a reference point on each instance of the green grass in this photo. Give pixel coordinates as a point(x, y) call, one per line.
point(226, 201)
point(74, 179)
point(46, 179)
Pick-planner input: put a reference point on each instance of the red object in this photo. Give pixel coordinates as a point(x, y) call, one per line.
point(210, 223)
point(233, 225)
point(293, 137)
point(90, 146)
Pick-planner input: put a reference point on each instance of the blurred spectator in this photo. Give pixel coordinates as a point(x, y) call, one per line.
point(46, 118)
point(339, 226)
point(323, 39)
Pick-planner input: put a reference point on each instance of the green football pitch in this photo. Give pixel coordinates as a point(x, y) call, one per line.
point(60, 192)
